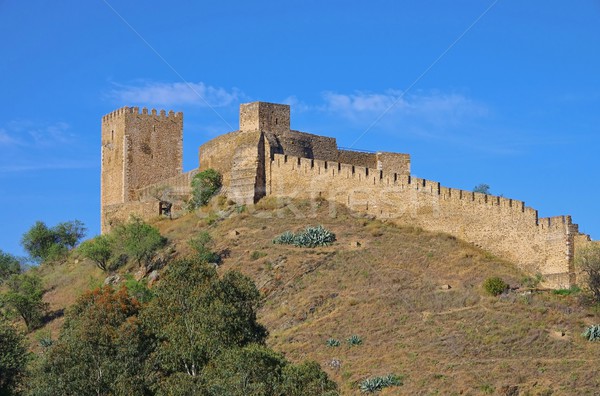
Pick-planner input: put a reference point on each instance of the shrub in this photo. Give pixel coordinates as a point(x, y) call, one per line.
point(200, 246)
point(354, 340)
point(204, 185)
point(495, 286)
point(9, 265)
point(48, 244)
point(332, 342)
point(588, 260)
point(567, 292)
point(103, 251)
point(310, 237)
point(25, 298)
point(375, 384)
point(13, 359)
point(592, 333)
point(255, 255)
point(139, 241)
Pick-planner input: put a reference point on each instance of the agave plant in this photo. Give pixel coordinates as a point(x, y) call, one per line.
point(332, 342)
point(375, 384)
point(287, 238)
point(592, 333)
point(354, 340)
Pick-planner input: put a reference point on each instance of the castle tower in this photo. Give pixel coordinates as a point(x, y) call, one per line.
point(138, 149)
point(265, 117)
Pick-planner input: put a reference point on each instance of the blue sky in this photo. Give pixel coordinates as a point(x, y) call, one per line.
point(499, 92)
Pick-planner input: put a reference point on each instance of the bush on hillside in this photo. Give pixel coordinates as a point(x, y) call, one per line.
point(9, 265)
point(102, 250)
point(588, 261)
point(139, 241)
point(204, 185)
point(24, 297)
point(495, 286)
point(49, 244)
point(13, 358)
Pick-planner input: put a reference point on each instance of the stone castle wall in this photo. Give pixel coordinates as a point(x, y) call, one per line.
point(141, 154)
point(505, 227)
point(138, 149)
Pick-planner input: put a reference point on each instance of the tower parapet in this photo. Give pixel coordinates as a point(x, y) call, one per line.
point(138, 149)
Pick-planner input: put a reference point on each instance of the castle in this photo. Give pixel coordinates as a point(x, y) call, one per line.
point(142, 160)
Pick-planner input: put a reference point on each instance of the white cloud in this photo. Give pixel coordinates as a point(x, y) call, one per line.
point(435, 107)
point(175, 94)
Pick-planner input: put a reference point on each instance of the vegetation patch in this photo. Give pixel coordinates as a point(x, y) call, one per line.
point(375, 384)
point(309, 237)
point(495, 286)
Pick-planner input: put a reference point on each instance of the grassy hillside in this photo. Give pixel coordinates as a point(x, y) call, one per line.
point(387, 285)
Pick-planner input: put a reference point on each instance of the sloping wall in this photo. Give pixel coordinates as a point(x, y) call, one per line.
point(505, 227)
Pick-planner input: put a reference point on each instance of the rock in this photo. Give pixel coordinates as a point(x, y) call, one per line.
point(139, 275)
point(153, 277)
point(355, 244)
point(233, 233)
point(446, 287)
point(112, 279)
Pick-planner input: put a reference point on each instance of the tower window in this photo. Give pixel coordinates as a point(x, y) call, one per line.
point(112, 135)
point(276, 121)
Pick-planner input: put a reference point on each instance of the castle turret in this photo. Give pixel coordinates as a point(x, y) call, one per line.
point(138, 149)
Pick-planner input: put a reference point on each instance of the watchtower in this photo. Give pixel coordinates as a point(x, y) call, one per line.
point(265, 117)
point(138, 149)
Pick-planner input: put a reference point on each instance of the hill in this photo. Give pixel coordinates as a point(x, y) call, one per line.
point(413, 297)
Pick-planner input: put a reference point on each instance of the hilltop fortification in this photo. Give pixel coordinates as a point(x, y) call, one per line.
point(141, 154)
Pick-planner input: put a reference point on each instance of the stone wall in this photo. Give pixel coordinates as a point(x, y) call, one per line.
point(505, 227)
point(388, 162)
point(138, 149)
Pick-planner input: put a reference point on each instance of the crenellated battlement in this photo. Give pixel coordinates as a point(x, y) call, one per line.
point(142, 154)
point(126, 110)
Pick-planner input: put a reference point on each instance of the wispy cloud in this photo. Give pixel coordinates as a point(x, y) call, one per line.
point(175, 94)
point(433, 107)
point(26, 133)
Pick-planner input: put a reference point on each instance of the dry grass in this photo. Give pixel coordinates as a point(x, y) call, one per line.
point(388, 291)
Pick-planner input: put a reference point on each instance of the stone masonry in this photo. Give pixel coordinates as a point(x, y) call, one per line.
point(142, 152)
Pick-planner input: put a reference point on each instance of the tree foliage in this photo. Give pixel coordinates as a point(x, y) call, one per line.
point(102, 250)
point(101, 349)
point(139, 240)
point(195, 315)
point(588, 261)
point(9, 265)
point(48, 244)
point(204, 185)
point(24, 296)
point(198, 335)
point(482, 188)
point(13, 358)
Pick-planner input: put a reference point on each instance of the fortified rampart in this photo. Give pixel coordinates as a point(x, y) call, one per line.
point(142, 160)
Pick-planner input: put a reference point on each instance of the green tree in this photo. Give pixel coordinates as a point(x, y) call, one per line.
point(139, 240)
point(9, 265)
point(200, 245)
point(253, 370)
point(24, 296)
point(47, 244)
point(204, 185)
point(588, 261)
point(103, 252)
point(101, 349)
point(13, 358)
point(482, 188)
point(306, 379)
point(195, 316)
